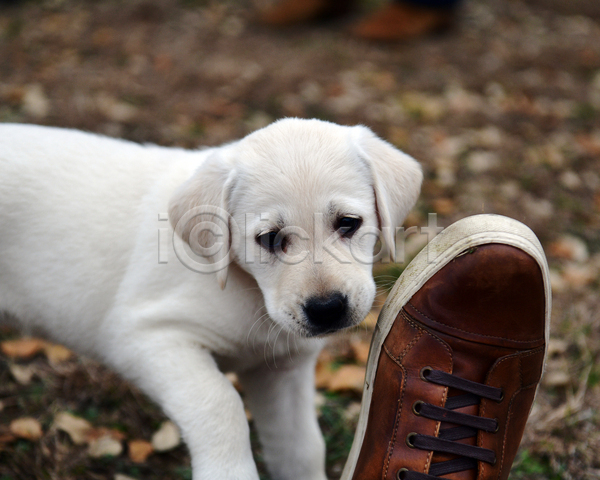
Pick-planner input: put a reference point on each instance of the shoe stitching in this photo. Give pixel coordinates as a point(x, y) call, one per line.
point(529, 354)
point(437, 431)
point(506, 428)
point(421, 330)
point(508, 419)
point(509, 357)
point(497, 364)
point(392, 358)
point(471, 333)
point(392, 442)
point(509, 416)
point(428, 462)
point(520, 373)
point(397, 361)
point(414, 324)
point(418, 336)
point(484, 402)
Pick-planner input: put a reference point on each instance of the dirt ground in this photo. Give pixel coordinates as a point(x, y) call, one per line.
point(503, 111)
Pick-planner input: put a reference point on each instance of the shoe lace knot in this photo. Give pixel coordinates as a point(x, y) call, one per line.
point(467, 456)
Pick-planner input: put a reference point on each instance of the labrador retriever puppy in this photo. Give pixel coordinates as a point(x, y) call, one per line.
point(268, 247)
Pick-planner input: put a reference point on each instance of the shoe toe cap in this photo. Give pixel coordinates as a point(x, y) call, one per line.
point(492, 294)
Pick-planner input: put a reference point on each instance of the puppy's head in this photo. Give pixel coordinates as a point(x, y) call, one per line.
point(301, 205)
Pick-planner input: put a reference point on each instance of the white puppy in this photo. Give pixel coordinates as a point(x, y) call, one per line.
point(288, 216)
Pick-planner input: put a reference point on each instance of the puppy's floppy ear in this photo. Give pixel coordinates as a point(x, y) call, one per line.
point(199, 213)
point(397, 179)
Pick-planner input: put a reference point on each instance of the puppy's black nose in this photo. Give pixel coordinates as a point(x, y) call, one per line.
point(326, 314)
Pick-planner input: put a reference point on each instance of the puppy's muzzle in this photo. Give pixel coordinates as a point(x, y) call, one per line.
point(326, 314)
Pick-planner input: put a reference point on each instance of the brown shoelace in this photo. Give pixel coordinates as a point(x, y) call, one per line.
point(468, 426)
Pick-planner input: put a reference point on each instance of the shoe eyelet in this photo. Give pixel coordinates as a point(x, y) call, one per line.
point(416, 408)
point(400, 474)
point(425, 371)
point(493, 464)
point(409, 439)
point(497, 426)
point(501, 397)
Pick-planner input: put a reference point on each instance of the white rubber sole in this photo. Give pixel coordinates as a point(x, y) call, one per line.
point(458, 237)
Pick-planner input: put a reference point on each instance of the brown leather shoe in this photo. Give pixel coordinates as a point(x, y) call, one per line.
point(456, 357)
point(291, 12)
point(399, 21)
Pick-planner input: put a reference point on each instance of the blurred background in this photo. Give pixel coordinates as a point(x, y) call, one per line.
point(502, 109)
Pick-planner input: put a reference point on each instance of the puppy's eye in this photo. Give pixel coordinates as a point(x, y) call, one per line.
point(347, 226)
point(271, 241)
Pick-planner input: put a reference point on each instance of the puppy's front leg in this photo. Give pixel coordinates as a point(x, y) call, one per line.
point(184, 379)
point(282, 402)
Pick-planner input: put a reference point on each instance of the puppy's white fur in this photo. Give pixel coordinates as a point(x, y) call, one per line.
point(79, 263)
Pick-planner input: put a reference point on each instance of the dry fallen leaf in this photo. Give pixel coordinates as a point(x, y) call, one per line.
point(35, 101)
point(22, 373)
point(578, 276)
point(77, 428)
point(323, 371)
point(569, 247)
point(444, 206)
point(57, 353)
point(352, 411)
point(233, 378)
point(557, 346)
point(166, 437)
point(28, 347)
point(348, 377)
point(557, 282)
point(22, 347)
point(557, 379)
point(360, 350)
point(320, 401)
point(139, 450)
point(323, 375)
point(27, 428)
point(105, 446)
point(120, 476)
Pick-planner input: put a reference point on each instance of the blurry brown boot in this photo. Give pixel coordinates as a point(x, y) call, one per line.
point(398, 21)
point(291, 12)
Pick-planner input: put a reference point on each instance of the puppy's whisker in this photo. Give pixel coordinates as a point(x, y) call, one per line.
point(262, 315)
point(288, 347)
point(378, 302)
point(259, 310)
point(272, 327)
point(259, 323)
point(275, 343)
point(385, 281)
point(253, 325)
point(263, 319)
point(268, 343)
